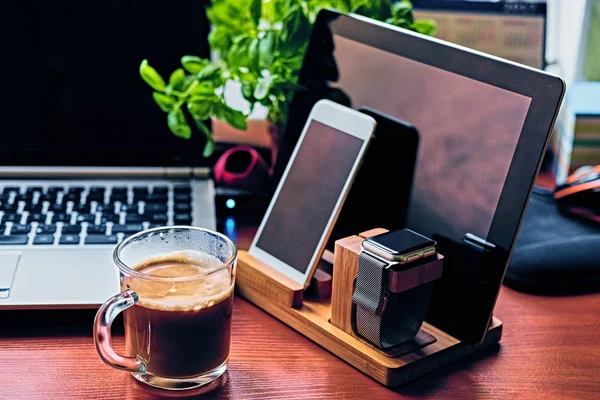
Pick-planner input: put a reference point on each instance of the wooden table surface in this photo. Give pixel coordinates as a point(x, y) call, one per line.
point(549, 350)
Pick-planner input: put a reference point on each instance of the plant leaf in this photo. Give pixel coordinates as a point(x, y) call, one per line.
point(248, 91)
point(262, 88)
point(203, 90)
point(209, 73)
point(266, 50)
point(151, 77)
point(253, 53)
point(424, 26)
point(233, 117)
point(193, 64)
point(177, 80)
point(178, 124)
point(200, 109)
point(256, 10)
point(166, 103)
point(210, 140)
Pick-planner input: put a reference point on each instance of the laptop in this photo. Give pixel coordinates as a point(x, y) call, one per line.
point(483, 125)
point(86, 157)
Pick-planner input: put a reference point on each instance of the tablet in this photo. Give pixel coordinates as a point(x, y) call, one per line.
point(293, 233)
point(483, 124)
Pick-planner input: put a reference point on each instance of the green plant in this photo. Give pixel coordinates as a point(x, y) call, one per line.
point(260, 45)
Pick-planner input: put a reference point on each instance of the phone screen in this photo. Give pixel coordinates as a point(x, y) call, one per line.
point(308, 195)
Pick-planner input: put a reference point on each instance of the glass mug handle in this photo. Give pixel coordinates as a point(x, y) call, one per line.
point(102, 337)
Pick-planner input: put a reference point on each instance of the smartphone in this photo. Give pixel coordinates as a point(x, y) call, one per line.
point(298, 222)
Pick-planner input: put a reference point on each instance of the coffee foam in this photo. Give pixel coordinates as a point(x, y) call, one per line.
point(211, 282)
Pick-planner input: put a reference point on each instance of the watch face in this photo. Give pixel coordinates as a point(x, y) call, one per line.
point(397, 243)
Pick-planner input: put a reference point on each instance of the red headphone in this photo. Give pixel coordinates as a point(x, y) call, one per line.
point(242, 167)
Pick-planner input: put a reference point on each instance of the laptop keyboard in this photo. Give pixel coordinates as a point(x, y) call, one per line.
point(93, 215)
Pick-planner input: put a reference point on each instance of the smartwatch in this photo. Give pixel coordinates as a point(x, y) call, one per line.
point(382, 317)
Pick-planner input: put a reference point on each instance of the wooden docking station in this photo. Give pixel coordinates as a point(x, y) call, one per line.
point(327, 321)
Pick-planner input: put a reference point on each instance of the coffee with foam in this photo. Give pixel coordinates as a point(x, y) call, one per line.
point(181, 324)
point(193, 281)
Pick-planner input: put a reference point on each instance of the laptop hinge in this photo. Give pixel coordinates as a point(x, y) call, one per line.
point(103, 172)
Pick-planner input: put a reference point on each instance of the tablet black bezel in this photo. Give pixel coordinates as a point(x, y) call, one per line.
point(546, 92)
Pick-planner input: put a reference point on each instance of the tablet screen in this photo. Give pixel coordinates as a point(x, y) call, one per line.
point(304, 204)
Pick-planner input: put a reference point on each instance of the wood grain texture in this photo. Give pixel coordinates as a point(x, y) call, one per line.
point(344, 275)
point(279, 296)
point(549, 350)
point(345, 271)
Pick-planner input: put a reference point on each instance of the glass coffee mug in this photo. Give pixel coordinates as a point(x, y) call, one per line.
point(177, 300)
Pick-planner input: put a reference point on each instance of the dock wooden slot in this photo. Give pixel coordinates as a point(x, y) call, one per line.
point(283, 298)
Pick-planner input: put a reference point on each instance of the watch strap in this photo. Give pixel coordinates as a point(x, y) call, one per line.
point(382, 318)
point(369, 296)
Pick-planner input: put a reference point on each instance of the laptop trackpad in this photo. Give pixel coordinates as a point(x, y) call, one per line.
point(8, 266)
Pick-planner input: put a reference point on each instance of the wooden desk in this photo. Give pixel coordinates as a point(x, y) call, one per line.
point(549, 350)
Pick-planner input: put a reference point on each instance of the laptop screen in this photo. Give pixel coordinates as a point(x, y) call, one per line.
point(72, 94)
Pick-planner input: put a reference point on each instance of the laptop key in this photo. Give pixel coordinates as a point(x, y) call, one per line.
point(74, 197)
point(127, 228)
point(76, 189)
point(86, 218)
point(105, 208)
point(13, 240)
point(9, 207)
point(82, 208)
point(36, 217)
point(99, 197)
point(71, 229)
point(47, 197)
point(122, 197)
point(19, 229)
point(155, 208)
point(34, 189)
point(157, 218)
point(132, 207)
point(61, 218)
point(58, 208)
point(101, 239)
point(115, 218)
point(54, 189)
point(23, 197)
point(43, 239)
point(134, 218)
point(69, 239)
point(46, 228)
point(182, 208)
point(119, 189)
point(182, 198)
point(11, 218)
point(185, 219)
point(140, 190)
point(4, 197)
point(182, 189)
point(9, 189)
point(156, 198)
point(33, 208)
point(160, 189)
point(96, 229)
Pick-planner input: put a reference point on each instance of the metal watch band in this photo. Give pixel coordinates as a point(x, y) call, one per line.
point(385, 319)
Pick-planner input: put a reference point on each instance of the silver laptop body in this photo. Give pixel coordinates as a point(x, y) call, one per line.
point(48, 264)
